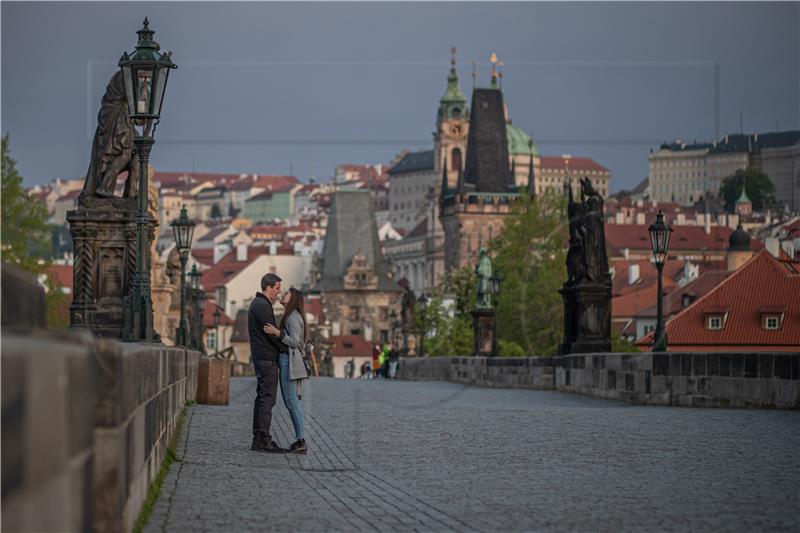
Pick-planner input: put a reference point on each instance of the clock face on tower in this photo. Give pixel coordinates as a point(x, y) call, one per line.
point(455, 130)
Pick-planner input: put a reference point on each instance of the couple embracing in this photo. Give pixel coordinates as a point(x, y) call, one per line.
point(277, 352)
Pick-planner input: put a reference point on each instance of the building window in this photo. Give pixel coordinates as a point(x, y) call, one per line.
point(715, 322)
point(771, 322)
point(354, 312)
point(212, 339)
point(384, 314)
point(456, 159)
point(384, 334)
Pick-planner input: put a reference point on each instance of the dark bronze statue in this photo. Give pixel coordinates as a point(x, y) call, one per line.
point(587, 292)
point(587, 260)
point(112, 148)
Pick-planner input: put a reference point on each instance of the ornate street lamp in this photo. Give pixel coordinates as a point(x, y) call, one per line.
point(145, 72)
point(217, 316)
point(423, 304)
point(659, 241)
point(183, 228)
point(497, 287)
point(197, 321)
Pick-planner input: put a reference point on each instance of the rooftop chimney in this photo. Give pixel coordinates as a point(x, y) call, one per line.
point(220, 250)
point(633, 273)
point(241, 253)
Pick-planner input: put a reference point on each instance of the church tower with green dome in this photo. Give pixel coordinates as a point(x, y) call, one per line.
point(452, 128)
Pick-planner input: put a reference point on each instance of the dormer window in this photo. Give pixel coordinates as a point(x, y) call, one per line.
point(772, 317)
point(715, 318)
point(687, 300)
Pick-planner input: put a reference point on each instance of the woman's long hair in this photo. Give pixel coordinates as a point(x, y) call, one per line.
point(295, 304)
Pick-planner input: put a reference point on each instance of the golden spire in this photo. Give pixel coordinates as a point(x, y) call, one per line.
point(493, 60)
point(500, 72)
point(474, 74)
point(453, 51)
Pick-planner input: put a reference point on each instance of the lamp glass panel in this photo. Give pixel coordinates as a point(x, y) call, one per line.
point(144, 90)
point(161, 81)
point(129, 92)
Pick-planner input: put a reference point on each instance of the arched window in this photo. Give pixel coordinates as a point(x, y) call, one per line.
point(456, 159)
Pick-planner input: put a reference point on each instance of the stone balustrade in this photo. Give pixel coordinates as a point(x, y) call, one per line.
point(86, 424)
point(758, 380)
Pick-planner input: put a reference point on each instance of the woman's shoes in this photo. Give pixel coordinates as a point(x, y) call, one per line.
point(299, 447)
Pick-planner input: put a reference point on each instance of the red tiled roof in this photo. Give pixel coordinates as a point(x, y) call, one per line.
point(70, 195)
point(683, 238)
point(228, 267)
point(313, 306)
point(208, 315)
point(577, 164)
point(349, 346)
point(204, 256)
point(268, 229)
point(62, 274)
point(762, 281)
point(648, 274)
point(420, 229)
point(177, 179)
point(673, 300)
point(276, 183)
point(632, 303)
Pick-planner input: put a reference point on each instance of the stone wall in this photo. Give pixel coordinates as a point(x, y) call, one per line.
point(760, 380)
point(85, 426)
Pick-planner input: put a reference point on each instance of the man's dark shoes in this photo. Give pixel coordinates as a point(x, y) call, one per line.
point(261, 444)
point(299, 447)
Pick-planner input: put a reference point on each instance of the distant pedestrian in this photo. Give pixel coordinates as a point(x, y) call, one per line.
point(365, 370)
point(394, 360)
point(376, 362)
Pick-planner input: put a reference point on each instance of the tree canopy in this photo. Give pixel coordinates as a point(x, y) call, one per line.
point(760, 189)
point(26, 235)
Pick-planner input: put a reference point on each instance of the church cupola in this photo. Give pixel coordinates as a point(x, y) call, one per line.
point(453, 104)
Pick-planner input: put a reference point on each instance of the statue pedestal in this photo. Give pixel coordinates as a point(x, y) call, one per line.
point(104, 241)
point(587, 318)
point(484, 333)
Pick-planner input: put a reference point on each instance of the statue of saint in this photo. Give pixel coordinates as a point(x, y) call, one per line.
point(484, 272)
point(587, 260)
point(112, 148)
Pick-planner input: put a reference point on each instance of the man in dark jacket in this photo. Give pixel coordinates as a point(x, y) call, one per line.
point(264, 350)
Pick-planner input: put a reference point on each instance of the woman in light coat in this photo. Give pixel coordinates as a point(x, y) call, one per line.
point(291, 364)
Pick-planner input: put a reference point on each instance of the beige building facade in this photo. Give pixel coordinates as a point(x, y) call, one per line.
point(686, 173)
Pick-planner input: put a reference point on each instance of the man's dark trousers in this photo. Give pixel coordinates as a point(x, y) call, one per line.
point(267, 376)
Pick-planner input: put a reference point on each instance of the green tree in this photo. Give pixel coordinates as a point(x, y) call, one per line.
point(760, 189)
point(446, 331)
point(25, 234)
point(530, 253)
point(620, 344)
point(26, 237)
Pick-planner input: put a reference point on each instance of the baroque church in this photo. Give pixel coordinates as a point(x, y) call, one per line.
point(479, 163)
point(359, 296)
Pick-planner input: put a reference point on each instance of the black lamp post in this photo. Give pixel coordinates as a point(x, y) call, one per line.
point(659, 241)
point(423, 304)
point(145, 72)
point(497, 286)
point(197, 322)
point(183, 228)
point(217, 316)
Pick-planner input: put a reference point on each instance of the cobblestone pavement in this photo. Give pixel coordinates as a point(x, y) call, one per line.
point(432, 456)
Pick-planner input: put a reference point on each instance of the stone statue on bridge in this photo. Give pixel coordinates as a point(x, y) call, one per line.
point(112, 148)
point(587, 291)
point(484, 271)
point(587, 260)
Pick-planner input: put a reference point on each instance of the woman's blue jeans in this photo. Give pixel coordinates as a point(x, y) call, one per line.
point(289, 393)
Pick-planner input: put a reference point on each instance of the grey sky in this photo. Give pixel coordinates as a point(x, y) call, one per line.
point(262, 86)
